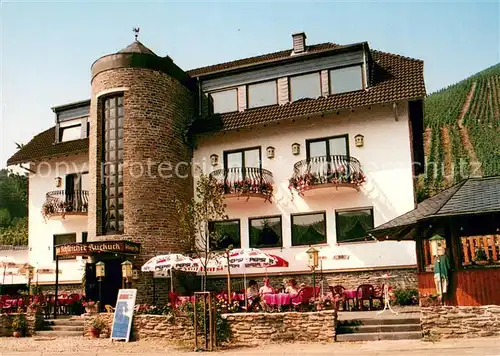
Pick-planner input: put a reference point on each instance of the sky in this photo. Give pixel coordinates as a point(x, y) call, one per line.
point(47, 48)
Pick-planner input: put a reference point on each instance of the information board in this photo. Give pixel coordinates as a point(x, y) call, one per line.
point(124, 312)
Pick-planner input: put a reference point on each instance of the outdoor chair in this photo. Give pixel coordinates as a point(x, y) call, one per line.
point(364, 292)
point(339, 291)
point(303, 297)
point(6, 307)
point(172, 298)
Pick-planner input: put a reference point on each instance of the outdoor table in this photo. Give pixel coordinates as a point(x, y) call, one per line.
point(351, 294)
point(278, 299)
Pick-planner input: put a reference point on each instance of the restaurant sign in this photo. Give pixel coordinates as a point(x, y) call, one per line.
point(87, 248)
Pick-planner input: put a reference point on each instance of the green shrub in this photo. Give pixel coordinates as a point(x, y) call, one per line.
point(19, 324)
point(406, 296)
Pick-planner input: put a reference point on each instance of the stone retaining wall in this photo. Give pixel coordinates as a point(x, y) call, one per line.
point(33, 320)
point(176, 328)
point(246, 328)
point(460, 321)
point(259, 328)
point(61, 288)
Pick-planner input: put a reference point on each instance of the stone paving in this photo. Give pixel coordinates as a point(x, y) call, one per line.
point(89, 347)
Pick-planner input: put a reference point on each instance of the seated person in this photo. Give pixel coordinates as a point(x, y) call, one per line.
point(293, 287)
point(253, 295)
point(266, 288)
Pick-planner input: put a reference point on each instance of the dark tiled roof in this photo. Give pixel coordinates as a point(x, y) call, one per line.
point(43, 146)
point(13, 248)
point(269, 57)
point(475, 196)
point(471, 196)
point(426, 208)
point(137, 47)
point(393, 78)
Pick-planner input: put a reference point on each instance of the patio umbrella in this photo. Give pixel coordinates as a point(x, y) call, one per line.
point(253, 258)
point(8, 263)
point(216, 263)
point(45, 270)
point(167, 262)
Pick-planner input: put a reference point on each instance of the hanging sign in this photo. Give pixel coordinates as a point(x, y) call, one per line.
point(124, 312)
point(86, 248)
point(340, 257)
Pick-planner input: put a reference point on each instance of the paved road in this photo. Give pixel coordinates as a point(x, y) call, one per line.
point(84, 347)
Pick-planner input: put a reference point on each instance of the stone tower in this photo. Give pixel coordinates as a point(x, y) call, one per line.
point(141, 106)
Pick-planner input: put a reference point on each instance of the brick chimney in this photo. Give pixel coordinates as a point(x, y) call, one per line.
point(299, 42)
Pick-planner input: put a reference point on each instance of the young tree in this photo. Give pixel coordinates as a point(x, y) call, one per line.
point(194, 217)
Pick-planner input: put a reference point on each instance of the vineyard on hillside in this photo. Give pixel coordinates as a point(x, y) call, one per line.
point(462, 132)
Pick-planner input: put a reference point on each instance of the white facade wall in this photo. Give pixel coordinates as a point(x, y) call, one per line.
point(385, 160)
point(41, 232)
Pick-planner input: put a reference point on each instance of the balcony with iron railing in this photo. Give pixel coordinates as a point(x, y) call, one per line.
point(245, 182)
point(62, 203)
point(336, 171)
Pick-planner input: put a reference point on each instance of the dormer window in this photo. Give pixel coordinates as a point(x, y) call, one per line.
point(224, 101)
point(262, 94)
point(70, 133)
point(305, 86)
point(346, 79)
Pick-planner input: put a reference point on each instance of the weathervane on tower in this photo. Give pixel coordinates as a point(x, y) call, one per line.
point(136, 31)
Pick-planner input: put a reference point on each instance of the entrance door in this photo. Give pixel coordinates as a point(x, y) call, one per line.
point(326, 155)
point(69, 192)
point(110, 284)
point(91, 291)
point(242, 164)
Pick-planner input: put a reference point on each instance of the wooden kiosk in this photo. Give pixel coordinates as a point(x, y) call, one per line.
point(467, 216)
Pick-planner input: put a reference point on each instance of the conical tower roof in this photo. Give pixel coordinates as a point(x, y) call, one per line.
point(137, 47)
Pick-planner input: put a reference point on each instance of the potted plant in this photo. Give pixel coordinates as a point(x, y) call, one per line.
point(19, 326)
point(96, 328)
point(90, 306)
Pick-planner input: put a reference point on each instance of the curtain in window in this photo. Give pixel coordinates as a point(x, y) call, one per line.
point(307, 234)
point(353, 225)
point(267, 234)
